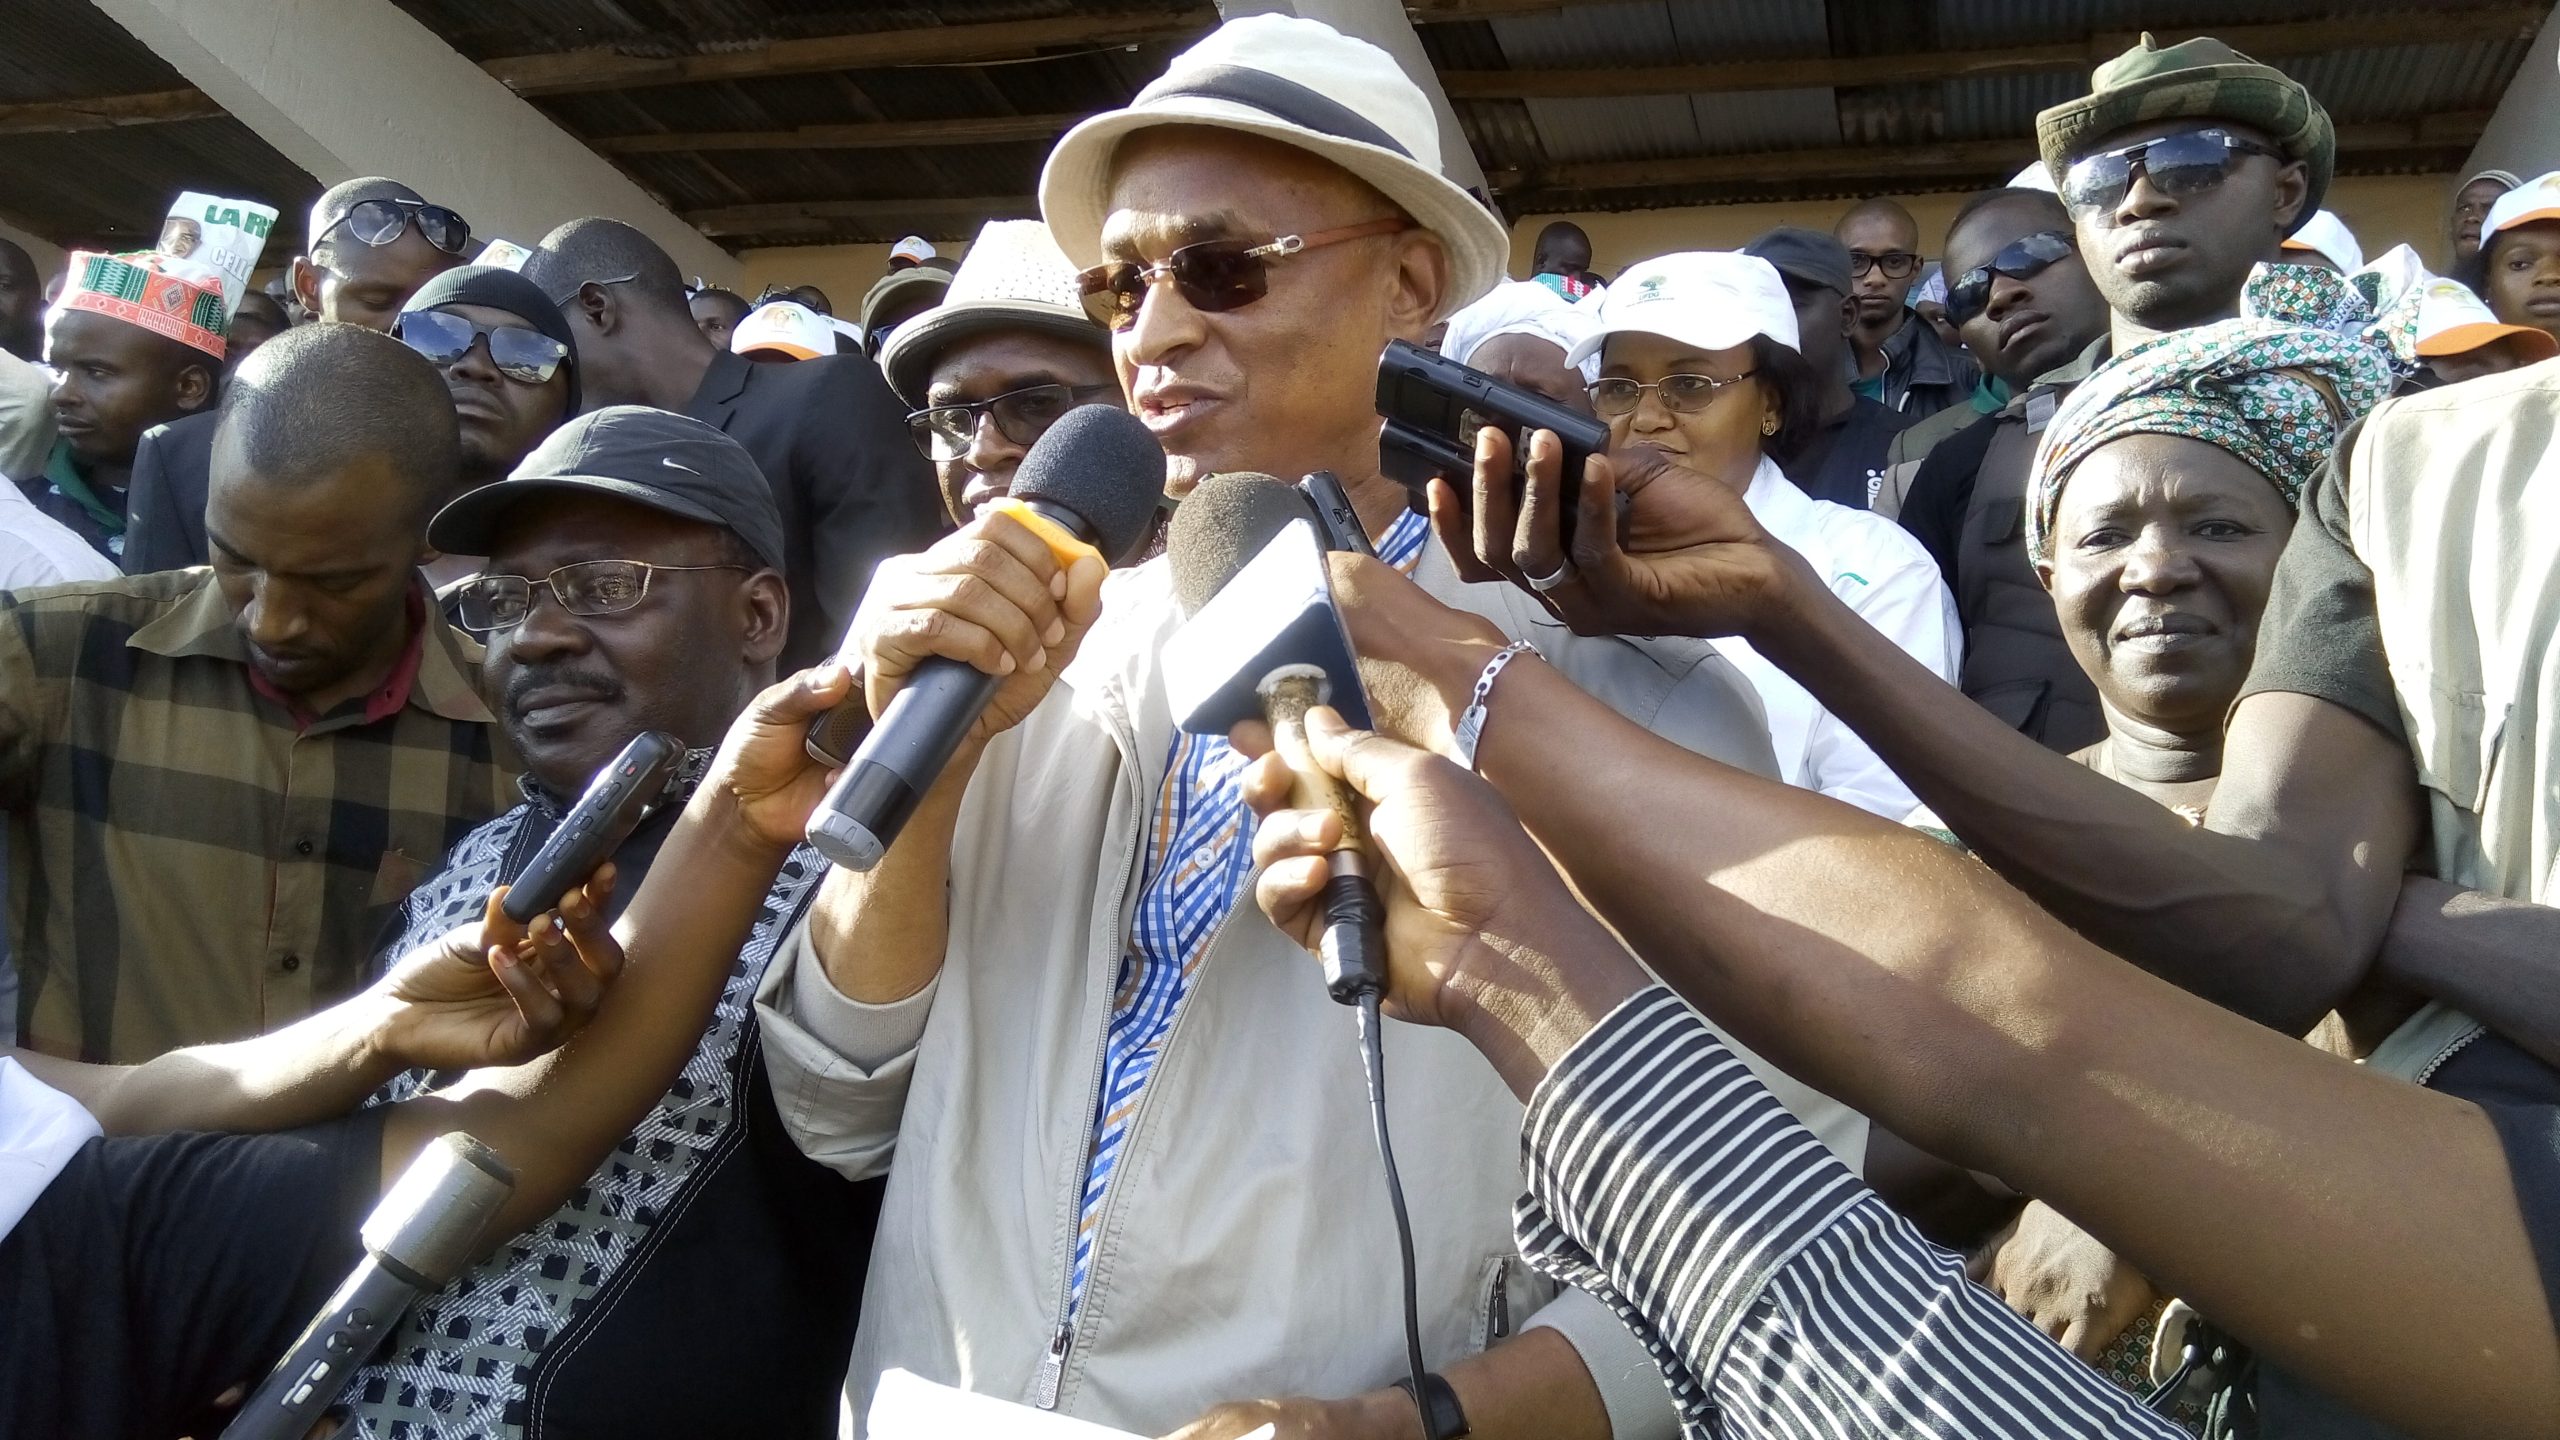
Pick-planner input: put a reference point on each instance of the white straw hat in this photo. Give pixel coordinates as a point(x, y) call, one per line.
point(1713, 299)
point(1013, 278)
point(1302, 83)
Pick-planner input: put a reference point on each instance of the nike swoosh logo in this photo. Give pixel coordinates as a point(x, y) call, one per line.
point(670, 464)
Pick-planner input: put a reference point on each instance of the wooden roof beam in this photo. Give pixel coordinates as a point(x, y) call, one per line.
point(106, 112)
point(2293, 38)
point(576, 71)
point(875, 135)
point(806, 215)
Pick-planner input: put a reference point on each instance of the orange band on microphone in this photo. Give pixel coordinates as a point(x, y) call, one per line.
point(1061, 541)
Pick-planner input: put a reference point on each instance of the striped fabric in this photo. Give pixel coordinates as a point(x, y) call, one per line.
point(1779, 1295)
point(185, 865)
point(1199, 860)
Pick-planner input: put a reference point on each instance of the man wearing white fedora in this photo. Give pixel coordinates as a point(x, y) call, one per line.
point(989, 369)
point(1135, 1181)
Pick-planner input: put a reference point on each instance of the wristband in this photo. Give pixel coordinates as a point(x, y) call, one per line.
point(1471, 721)
point(1443, 1418)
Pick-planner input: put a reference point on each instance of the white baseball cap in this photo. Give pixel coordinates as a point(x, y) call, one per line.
point(1305, 84)
point(1713, 299)
point(2452, 321)
point(2535, 199)
point(2325, 234)
point(1013, 278)
point(912, 250)
point(794, 330)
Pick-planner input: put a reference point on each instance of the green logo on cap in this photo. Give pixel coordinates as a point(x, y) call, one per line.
point(1650, 288)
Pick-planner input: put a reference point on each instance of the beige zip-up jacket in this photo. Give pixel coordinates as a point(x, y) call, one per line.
point(1244, 1248)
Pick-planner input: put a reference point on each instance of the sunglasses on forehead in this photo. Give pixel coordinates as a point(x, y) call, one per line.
point(2020, 259)
point(2186, 164)
point(1212, 276)
point(518, 352)
point(379, 222)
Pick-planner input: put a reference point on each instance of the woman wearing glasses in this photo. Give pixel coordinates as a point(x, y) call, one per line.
point(1698, 358)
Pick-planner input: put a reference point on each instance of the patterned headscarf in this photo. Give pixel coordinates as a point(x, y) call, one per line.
point(2275, 395)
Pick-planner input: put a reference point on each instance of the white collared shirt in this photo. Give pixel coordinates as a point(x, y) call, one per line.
point(1882, 573)
point(36, 549)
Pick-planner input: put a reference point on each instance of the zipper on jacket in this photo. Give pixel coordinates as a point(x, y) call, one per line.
point(2447, 1053)
point(1053, 1362)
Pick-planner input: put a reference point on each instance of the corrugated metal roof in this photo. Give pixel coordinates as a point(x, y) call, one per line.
point(67, 49)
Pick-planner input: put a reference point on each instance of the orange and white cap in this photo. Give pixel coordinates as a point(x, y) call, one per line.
point(2535, 199)
point(2453, 321)
point(2325, 234)
point(785, 328)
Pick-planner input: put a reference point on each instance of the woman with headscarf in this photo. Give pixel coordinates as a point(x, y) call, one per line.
point(2160, 501)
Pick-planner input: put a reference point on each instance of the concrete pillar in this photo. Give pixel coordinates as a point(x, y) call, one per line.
point(1384, 24)
point(2524, 132)
point(356, 87)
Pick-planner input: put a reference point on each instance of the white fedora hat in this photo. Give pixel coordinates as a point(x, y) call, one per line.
point(1013, 278)
point(1302, 83)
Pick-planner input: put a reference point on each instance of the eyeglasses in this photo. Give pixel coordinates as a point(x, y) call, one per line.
point(491, 603)
point(1896, 264)
point(1213, 276)
point(2180, 166)
point(2020, 259)
point(379, 222)
point(519, 353)
point(1680, 394)
point(945, 432)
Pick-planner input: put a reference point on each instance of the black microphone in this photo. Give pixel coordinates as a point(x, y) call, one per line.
point(1090, 486)
point(1249, 574)
point(428, 1226)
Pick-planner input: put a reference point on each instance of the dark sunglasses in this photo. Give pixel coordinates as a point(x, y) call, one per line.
point(1896, 264)
point(2180, 166)
point(1213, 276)
point(518, 352)
point(379, 222)
point(2021, 259)
point(945, 432)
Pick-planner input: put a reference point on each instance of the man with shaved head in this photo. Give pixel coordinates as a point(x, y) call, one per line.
point(1900, 360)
point(221, 782)
point(829, 437)
point(373, 241)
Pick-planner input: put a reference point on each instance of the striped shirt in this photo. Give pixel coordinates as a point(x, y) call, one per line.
point(1199, 860)
point(1779, 1295)
point(187, 863)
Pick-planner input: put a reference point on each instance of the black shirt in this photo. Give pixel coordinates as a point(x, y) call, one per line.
point(1844, 462)
point(158, 1271)
point(1933, 509)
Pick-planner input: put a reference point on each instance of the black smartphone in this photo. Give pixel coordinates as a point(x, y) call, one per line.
point(1337, 523)
point(1433, 407)
point(617, 800)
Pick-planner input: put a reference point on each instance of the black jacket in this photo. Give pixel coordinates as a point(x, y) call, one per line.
point(832, 441)
point(164, 506)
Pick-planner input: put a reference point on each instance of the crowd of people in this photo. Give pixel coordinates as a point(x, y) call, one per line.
point(1989, 882)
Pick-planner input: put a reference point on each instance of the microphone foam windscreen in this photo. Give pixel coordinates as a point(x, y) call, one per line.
point(1223, 524)
point(1100, 462)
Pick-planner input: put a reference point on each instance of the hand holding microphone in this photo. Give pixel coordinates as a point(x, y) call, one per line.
point(963, 641)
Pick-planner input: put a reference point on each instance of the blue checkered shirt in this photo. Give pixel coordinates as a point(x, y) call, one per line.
point(1199, 858)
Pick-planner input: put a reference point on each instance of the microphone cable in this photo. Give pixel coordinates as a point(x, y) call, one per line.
point(1373, 1060)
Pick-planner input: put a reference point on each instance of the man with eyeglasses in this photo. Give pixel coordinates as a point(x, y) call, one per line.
point(1133, 1180)
point(221, 781)
point(507, 361)
point(1896, 358)
point(705, 1279)
point(993, 366)
point(1842, 457)
point(2026, 306)
point(825, 431)
point(373, 242)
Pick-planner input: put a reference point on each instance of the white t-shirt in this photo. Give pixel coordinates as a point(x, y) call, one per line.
point(40, 1129)
point(36, 549)
point(1883, 574)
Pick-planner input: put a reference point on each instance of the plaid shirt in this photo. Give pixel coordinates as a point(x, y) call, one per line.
point(185, 863)
point(1199, 859)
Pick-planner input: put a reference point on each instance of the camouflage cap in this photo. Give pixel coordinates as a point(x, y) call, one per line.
point(2201, 79)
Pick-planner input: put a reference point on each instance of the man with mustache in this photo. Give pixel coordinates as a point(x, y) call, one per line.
point(221, 781)
point(634, 583)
